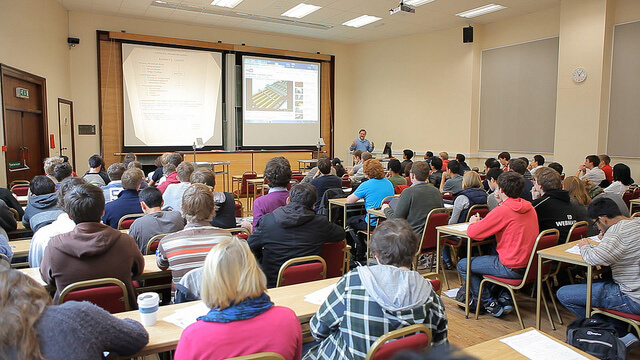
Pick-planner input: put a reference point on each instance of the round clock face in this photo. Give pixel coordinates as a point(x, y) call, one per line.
point(579, 75)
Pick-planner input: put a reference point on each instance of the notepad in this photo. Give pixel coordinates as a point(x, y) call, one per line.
point(459, 227)
point(187, 315)
point(319, 296)
point(537, 346)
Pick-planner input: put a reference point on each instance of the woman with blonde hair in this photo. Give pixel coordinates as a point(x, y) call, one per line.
point(33, 329)
point(242, 319)
point(577, 190)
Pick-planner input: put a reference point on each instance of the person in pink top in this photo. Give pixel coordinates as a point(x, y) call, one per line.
point(515, 226)
point(242, 318)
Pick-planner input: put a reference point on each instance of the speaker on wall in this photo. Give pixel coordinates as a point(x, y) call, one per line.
point(467, 34)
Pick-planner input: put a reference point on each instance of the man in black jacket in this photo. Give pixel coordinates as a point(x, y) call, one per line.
point(291, 231)
point(554, 207)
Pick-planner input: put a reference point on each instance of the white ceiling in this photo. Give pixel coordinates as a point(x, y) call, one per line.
point(437, 15)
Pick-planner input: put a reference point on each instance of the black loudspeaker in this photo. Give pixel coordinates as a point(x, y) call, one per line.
point(467, 34)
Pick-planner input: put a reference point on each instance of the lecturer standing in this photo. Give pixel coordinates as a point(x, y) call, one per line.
point(361, 143)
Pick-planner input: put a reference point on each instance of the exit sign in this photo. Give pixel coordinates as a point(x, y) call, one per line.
point(22, 93)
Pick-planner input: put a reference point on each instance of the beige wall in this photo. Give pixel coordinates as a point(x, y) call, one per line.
point(34, 39)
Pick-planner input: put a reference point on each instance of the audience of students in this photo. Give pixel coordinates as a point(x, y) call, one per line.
point(621, 180)
point(33, 328)
point(407, 155)
point(113, 188)
point(155, 221)
point(452, 178)
point(225, 206)
point(172, 196)
point(127, 202)
point(42, 208)
point(292, 230)
point(277, 172)
point(370, 301)
point(416, 201)
point(326, 180)
point(186, 249)
point(91, 250)
point(515, 226)
point(96, 175)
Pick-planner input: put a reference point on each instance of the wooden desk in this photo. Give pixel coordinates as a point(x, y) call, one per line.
point(20, 248)
point(164, 336)
point(301, 163)
point(497, 350)
point(450, 230)
point(342, 202)
point(559, 253)
point(150, 271)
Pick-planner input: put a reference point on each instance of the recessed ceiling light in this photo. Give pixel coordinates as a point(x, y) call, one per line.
point(417, 2)
point(301, 10)
point(480, 11)
point(361, 21)
point(226, 3)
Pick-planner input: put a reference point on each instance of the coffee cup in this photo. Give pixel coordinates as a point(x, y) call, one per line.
point(148, 305)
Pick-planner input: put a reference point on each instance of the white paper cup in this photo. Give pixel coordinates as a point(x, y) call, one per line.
point(148, 306)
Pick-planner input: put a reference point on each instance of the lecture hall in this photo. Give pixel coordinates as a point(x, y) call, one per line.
point(319, 179)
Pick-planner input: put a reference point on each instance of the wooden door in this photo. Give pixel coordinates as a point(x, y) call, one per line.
point(24, 123)
point(65, 120)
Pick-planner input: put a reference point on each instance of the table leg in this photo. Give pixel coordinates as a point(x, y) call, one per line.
point(589, 283)
point(330, 207)
point(539, 292)
point(368, 232)
point(467, 288)
point(344, 219)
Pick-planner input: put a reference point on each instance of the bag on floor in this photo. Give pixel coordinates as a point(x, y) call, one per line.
point(596, 337)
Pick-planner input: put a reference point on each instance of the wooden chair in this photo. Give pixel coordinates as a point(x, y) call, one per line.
point(152, 244)
point(302, 269)
point(336, 256)
point(416, 337)
point(108, 293)
point(125, 222)
point(544, 240)
point(259, 356)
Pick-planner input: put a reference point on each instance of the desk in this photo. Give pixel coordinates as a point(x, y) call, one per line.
point(224, 172)
point(150, 271)
point(632, 203)
point(558, 253)
point(342, 202)
point(164, 336)
point(254, 184)
point(452, 230)
point(301, 163)
point(497, 350)
point(20, 248)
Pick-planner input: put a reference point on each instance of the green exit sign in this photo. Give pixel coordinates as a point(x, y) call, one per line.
point(22, 93)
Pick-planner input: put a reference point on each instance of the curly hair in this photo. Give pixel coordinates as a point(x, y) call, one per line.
point(278, 171)
point(373, 169)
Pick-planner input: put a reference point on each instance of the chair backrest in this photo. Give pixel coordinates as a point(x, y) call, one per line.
point(437, 217)
point(480, 209)
point(400, 188)
point(244, 186)
point(627, 196)
point(546, 239)
point(636, 214)
point(297, 177)
point(334, 256)
point(447, 196)
point(436, 281)
point(20, 189)
point(239, 208)
point(108, 293)
point(387, 199)
point(302, 269)
point(346, 182)
point(578, 231)
point(240, 232)
point(259, 356)
point(415, 337)
point(16, 216)
point(636, 193)
point(152, 244)
point(19, 182)
point(125, 222)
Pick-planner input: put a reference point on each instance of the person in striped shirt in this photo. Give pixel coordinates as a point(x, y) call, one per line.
point(186, 249)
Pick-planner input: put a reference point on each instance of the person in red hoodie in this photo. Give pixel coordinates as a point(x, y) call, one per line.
point(515, 225)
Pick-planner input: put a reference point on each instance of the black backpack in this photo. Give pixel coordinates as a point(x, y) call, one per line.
point(596, 337)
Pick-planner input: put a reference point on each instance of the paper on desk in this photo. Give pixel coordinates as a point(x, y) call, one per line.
point(537, 346)
point(575, 249)
point(319, 296)
point(459, 227)
point(188, 315)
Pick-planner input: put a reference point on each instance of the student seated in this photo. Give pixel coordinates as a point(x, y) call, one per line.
point(452, 178)
point(96, 175)
point(172, 197)
point(360, 176)
point(42, 208)
point(491, 178)
point(291, 231)
point(315, 172)
point(520, 166)
point(370, 301)
point(553, 205)
point(490, 163)
point(605, 160)
point(32, 328)
point(113, 188)
point(127, 202)
point(515, 226)
point(357, 162)
point(435, 177)
point(407, 155)
point(326, 180)
point(278, 175)
point(621, 180)
point(62, 171)
point(504, 158)
point(225, 206)
point(242, 320)
point(461, 159)
point(444, 156)
point(337, 165)
point(591, 171)
point(49, 165)
point(155, 221)
point(5, 248)
point(536, 164)
point(395, 168)
point(169, 170)
point(91, 250)
point(186, 249)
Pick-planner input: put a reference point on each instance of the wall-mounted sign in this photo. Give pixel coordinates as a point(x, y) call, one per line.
point(22, 93)
point(86, 129)
point(15, 164)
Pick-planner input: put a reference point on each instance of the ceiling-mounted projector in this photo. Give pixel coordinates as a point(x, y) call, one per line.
point(402, 8)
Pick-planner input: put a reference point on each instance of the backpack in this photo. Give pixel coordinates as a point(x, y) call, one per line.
point(596, 337)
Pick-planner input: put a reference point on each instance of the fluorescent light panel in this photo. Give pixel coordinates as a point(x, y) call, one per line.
point(226, 3)
point(481, 11)
point(361, 21)
point(417, 2)
point(301, 10)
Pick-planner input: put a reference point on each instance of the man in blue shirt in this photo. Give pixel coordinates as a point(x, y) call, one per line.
point(127, 202)
point(361, 143)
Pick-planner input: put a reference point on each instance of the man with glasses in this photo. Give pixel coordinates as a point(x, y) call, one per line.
point(361, 143)
point(619, 250)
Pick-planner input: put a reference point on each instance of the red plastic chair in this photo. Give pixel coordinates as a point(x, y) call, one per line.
point(627, 196)
point(336, 257)
point(108, 293)
point(125, 222)
point(400, 188)
point(20, 190)
point(302, 269)
point(346, 182)
point(239, 208)
point(152, 244)
point(632, 319)
point(447, 196)
point(416, 337)
point(546, 239)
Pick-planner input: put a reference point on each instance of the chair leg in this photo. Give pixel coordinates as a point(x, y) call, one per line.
point(546, 307)
point(444, 275)
point(479, 297)
point(570, 276)
point(515, 305)
point(553, 300)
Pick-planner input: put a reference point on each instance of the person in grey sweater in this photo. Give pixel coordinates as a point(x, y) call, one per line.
point(32, 328)
point(416, 201)
point(42, 208)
